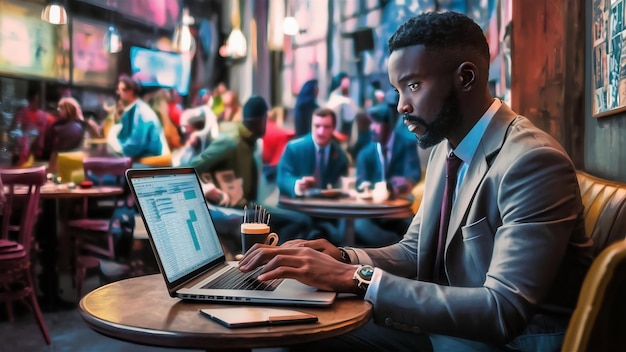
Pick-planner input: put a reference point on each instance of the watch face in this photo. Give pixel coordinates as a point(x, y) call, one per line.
point(366, 272)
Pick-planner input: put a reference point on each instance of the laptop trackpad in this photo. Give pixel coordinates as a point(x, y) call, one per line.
point(291, 284)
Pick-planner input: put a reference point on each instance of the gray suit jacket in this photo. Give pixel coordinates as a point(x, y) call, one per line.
point(516, 248)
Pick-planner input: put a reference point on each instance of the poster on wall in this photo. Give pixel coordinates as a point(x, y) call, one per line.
point(30, 46)
point(92, 64)
point(608, 68)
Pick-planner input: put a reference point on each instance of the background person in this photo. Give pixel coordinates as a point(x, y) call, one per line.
point(68, 132)
point(390, 157)
point(298, 167)
point(312, 162)
point(29, 121)
point(231, 168)
point(139, 132)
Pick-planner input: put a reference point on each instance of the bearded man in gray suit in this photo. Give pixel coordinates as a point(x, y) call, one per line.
point(507, 272)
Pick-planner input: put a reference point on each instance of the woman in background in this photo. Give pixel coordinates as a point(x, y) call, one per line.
point(68, 132)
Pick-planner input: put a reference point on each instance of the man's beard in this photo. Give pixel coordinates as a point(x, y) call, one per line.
point(436, 131)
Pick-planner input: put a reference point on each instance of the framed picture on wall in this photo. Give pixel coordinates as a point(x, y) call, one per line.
point(608, 64)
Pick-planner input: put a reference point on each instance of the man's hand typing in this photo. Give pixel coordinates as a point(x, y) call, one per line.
point(305, 261)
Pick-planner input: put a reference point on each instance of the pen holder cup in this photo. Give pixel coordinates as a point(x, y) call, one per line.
point(252, 233)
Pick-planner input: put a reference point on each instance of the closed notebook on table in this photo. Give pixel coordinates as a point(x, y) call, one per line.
point(240, 317)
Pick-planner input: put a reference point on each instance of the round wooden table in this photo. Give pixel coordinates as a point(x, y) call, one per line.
point(140, 310)
point(348, 209)
point(61, 191)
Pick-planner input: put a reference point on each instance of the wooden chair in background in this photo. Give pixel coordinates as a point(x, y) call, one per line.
point(93, 239)
point(19, 215)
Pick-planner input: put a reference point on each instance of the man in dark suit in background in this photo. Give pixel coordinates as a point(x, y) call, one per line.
point(391, 157)
point(313, 162)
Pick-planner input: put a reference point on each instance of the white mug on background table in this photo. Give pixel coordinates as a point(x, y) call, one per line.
point(380, 192)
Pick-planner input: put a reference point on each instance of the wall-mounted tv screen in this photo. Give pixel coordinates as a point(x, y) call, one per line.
point(154, 68)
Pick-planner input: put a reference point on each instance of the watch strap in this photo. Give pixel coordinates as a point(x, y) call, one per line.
point(345, 258)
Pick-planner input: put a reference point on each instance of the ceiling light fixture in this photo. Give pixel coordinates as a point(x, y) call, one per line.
point(183, 41)
point(112, 40)
point(236, 46)
point(54, 12)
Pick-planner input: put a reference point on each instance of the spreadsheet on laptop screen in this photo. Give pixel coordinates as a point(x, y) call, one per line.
point(179, 222)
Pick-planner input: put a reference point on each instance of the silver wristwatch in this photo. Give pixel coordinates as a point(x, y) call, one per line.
point(363, 277)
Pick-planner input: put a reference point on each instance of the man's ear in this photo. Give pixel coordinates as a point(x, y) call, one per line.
point(467, 74)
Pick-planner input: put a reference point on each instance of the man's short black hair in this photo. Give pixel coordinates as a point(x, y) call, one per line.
point(452, 33)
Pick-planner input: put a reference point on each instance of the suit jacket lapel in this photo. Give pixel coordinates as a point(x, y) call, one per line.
point(490, 144)
point(310, 150)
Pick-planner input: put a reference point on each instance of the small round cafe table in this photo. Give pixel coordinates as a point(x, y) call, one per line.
point(140, 310)
point(348, 209)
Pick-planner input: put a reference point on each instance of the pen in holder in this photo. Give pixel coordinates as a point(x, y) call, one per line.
point(256, 229)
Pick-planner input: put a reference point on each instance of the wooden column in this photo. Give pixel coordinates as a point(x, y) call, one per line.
point(547, 73)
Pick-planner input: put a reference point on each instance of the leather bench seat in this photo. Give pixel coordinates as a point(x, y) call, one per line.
point(605, 209)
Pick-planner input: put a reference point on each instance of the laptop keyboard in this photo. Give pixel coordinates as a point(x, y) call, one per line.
point(233, 279)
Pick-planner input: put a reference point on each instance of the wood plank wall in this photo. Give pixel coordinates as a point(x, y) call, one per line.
point(547, 73)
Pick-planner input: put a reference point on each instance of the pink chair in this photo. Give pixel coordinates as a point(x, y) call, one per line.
point(92, 235)
point(21, 197)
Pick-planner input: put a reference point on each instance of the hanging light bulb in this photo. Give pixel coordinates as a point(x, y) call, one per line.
point(183, 41)
point(290, 26)
point(112, 40)
point(237, 44)
point(54, 13)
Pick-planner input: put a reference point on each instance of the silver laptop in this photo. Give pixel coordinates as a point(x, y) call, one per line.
point(188, 250)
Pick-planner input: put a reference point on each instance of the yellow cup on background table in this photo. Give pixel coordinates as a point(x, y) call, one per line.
point(70, 166)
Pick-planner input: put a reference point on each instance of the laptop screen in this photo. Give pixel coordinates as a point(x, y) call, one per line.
point(178, 221)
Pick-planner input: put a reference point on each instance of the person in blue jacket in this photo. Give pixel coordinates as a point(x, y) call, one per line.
point(141, 130)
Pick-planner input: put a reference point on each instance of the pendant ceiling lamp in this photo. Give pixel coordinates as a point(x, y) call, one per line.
point(183, 41)
point(112, 40)
point(236, 46)
point(54, 12)
point(290, 25)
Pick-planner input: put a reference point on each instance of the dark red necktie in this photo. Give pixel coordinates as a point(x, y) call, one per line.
point(452, 167)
